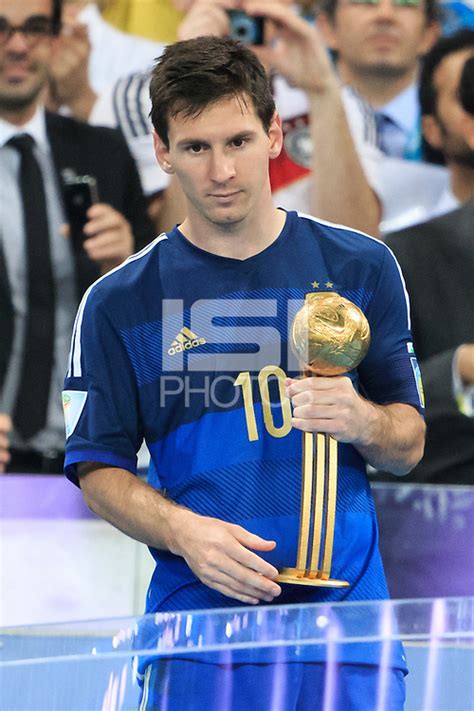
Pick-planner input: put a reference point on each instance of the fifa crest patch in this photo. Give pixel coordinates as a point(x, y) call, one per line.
point(418, 380)
point(73, 405)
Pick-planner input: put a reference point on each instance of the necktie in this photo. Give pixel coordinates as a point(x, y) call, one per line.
point(390, 138)
point(31, 406)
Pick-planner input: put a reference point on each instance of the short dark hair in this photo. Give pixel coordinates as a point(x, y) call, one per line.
point(193, 74)
point(463, 39)
point(57, 12)
point(432, 10)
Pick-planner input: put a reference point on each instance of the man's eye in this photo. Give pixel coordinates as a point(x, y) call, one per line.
point(238, 142)
point(37, 26)
point(195, 148)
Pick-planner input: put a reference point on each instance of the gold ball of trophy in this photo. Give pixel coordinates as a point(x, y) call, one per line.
point(330, 335)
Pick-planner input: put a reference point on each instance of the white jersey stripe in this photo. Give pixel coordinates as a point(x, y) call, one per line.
point(74, 361)
point(364, 234)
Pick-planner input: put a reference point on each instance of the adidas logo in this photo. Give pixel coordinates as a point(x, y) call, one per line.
point(184, 341)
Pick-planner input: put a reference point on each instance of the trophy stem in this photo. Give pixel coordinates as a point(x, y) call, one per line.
point(319, 477)
point(330, 497)
point(306, 500)
point(317, 511)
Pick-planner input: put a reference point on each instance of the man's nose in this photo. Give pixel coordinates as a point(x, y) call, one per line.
point(385, 9)
point(222, 167)
point(16, 46)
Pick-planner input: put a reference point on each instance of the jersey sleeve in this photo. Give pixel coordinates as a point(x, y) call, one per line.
point(126, 105)
point(100, 397)
point(390, 372)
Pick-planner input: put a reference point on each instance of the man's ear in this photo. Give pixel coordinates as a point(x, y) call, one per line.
point(275, 133)
point(430, 36)
point(432, 131)
point(162, 153)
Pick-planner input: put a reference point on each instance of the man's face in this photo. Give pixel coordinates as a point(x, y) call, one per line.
point(221, 160)
point(382, 39)
point(23, 62)
point(447, 131)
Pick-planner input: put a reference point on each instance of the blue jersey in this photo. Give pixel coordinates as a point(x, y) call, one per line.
point(189, 351)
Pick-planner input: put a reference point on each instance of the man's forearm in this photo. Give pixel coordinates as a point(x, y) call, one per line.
point(389, 437)
point(219, 553)
point(393, 438)
point(341, 192)
point(131, 505)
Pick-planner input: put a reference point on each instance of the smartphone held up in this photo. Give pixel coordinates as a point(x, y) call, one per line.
point(80, 193)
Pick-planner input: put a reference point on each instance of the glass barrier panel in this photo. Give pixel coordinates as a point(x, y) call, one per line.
point(310, 655)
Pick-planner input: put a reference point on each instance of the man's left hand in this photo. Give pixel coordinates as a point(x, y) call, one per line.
point(108, 236)
point(329, 405)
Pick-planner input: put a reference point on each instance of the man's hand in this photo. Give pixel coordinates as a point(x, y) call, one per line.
point(69, 72)
point(109, 238)
point(5, 429)
point(389, 437)
point(206, 18)
point(293, 47)
point(465, 363)
point(220, 555)
point(329, 405)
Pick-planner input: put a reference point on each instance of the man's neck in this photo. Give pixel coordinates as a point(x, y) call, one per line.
point(462, 181)
point(19, 118)
point(239, 241)
point(378, 90)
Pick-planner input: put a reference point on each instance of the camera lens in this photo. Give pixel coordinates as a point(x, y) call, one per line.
point(244, 28)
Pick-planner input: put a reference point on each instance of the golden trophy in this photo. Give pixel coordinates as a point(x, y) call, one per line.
point(330, 336)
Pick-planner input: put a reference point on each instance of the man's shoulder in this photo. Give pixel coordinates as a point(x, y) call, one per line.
point(123, 285)
point(426, 235)
point(69, 127)
point(345, 238)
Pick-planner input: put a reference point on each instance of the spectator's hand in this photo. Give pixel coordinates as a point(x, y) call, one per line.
point(329, 405)
point(206, 18)
point(465, 363)
point(5, 429)
point(293, 47)
point(220, 555)
point(69, 72)
point(108, 236)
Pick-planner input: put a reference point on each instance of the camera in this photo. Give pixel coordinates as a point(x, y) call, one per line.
point(244, 28)
point(80, 193)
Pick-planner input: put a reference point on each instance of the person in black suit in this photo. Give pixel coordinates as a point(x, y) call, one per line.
point(437, 260)
point(43, 271)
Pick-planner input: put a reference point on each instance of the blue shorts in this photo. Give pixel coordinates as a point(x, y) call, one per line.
point(191, 685)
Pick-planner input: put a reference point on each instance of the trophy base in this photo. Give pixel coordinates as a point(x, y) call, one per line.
point(295, 576)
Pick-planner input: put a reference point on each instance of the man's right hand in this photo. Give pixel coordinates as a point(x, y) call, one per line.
point(69, 72)
point(206, 18)
point(5, 429)
point(466, 363)
point(221, 555)
point(292, 45)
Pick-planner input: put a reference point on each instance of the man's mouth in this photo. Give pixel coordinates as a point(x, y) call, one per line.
point(225, 196)
point(15, 72)
point(384, 38)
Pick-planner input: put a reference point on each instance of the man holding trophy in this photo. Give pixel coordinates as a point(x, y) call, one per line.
point(219, 344)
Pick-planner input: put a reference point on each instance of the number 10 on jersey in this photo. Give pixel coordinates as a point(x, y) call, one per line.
point(244, 381)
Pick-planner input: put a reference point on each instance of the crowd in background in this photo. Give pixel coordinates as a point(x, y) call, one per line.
point(384, 145)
